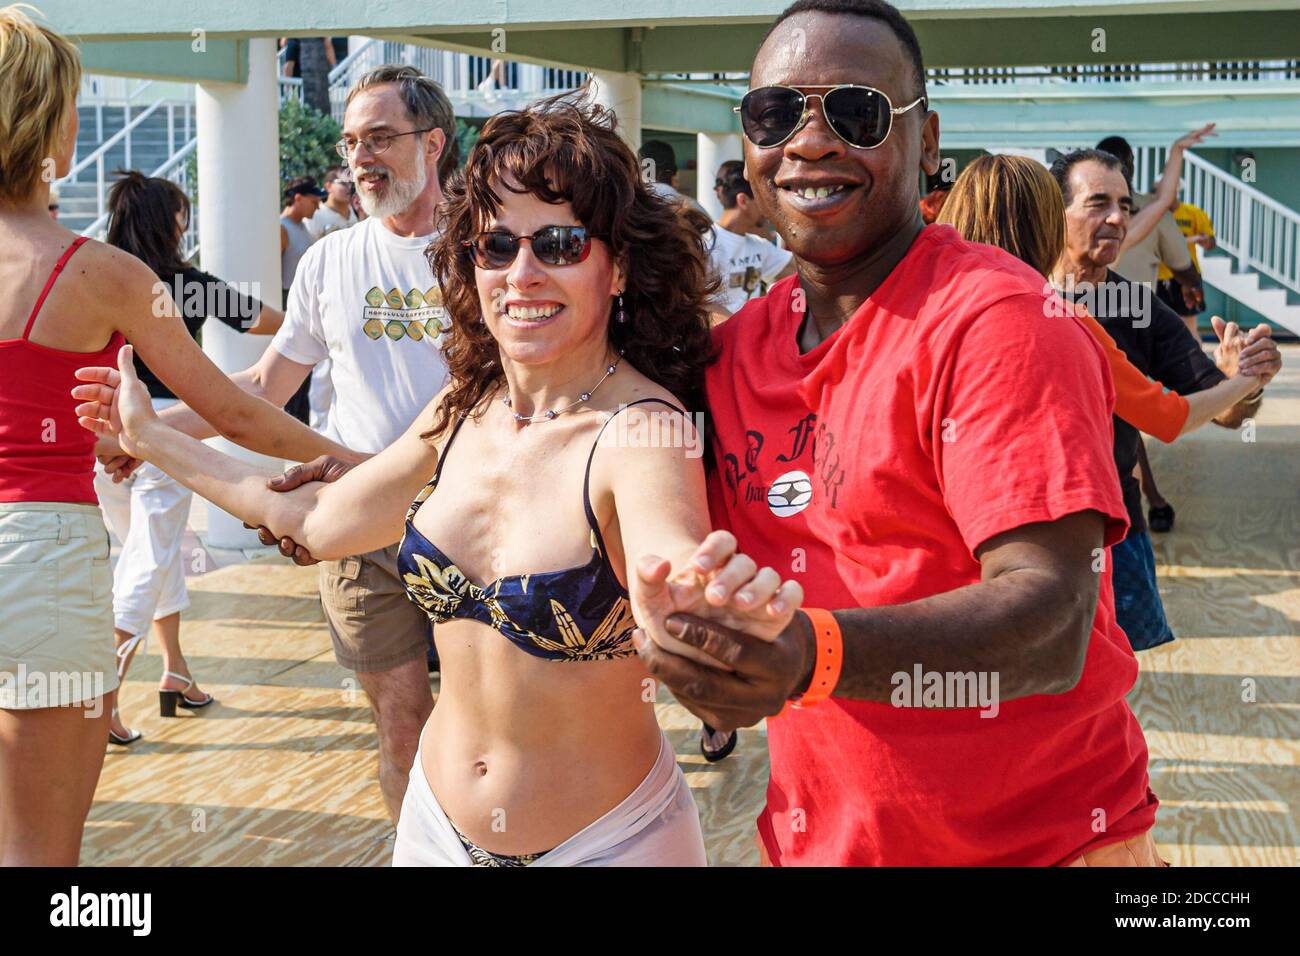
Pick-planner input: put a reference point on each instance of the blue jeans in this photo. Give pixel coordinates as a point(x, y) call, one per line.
point(1137, 601)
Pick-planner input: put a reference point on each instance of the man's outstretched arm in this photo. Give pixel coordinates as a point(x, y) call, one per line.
point(272, 377)
point(1028, 620)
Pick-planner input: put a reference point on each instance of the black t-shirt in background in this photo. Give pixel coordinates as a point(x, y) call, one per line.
point(293, 52)
point(200, 297)
point(1156, 341)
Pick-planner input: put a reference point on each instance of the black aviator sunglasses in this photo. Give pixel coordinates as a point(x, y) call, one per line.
point(862, 116)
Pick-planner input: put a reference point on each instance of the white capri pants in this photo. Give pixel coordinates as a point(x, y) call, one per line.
point(656, 825)
point(148, 513)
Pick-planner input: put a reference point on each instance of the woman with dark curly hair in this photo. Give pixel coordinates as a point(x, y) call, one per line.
point(564, 458)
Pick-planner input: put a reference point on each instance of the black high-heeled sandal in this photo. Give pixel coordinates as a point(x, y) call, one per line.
point(169, 700)
point(707, 733)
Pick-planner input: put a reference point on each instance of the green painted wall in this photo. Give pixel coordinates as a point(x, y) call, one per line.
point(1277, 170)
point(683, 145)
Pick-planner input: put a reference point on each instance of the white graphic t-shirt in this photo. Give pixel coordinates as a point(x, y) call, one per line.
point(327, 220)
point(365, 299)
point(746, 264)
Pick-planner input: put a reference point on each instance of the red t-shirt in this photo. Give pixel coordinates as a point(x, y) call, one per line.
point(952, 406)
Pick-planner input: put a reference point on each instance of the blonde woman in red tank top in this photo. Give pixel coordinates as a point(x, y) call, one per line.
point(69, 303)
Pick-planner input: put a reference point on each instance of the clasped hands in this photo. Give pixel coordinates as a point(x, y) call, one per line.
point(1252, 353)
point(722, 633)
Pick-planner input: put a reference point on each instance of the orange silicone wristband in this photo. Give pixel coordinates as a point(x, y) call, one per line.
point(830, 657)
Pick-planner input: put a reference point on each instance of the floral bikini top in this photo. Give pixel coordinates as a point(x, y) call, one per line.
point(576, 614)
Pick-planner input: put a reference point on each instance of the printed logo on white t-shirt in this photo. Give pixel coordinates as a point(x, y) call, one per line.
point(748, 280)
point(416, 315)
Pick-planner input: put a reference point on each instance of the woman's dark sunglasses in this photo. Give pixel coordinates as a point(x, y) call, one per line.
point(554, 245)
point(859, 115)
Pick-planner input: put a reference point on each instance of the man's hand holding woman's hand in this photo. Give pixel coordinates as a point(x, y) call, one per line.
point(117, 465)
point(324, 468)
point(722, 633)
point(716, 583)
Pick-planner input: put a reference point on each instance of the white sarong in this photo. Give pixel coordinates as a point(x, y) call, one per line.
point(657, 825)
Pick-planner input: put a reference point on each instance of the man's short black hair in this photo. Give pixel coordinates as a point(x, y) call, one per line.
point(662, 155)
point(303, 186)
point(1063, 164)
point(731, 182)
point(886, 13)
point(1118, 147)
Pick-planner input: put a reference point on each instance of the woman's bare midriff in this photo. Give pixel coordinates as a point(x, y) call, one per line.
point(523, 752)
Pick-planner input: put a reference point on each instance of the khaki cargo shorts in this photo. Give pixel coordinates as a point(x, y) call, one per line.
point(373, 624)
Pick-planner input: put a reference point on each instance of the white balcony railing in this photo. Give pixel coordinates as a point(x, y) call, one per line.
point(474, 84)
point(1100, 74)
point(477, 84)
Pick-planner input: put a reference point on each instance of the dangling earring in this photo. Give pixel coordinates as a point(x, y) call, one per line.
point(621, 314)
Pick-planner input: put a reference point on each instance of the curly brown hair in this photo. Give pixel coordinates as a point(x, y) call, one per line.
point(565, 149)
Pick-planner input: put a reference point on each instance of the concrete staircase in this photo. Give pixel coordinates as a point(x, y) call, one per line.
point(1248, 289)
point(148, 151)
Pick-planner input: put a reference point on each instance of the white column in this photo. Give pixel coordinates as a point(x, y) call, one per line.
point(621, 92)
point(239, 199)
point(711, 151)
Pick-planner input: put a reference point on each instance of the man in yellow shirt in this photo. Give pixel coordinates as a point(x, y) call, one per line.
point(1194, 223)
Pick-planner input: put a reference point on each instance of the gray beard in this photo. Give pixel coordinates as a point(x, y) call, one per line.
point(399, 196)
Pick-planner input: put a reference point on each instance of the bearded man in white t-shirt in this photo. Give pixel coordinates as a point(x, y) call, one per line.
point(364, 299)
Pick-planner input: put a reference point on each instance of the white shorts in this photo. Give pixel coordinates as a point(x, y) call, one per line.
point(657, 825)
point(56, 612)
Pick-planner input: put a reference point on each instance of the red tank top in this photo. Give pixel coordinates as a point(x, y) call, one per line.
point(44, 454)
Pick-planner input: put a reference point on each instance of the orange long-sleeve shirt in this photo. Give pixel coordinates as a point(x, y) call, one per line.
point(1142, 403)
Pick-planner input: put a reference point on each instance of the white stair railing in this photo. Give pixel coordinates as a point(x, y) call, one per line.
point(176, 168)
point(1258, 231)
point(98, 158)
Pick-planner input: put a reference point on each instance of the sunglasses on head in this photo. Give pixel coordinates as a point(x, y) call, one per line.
point(860, 115)
point(554, 245)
